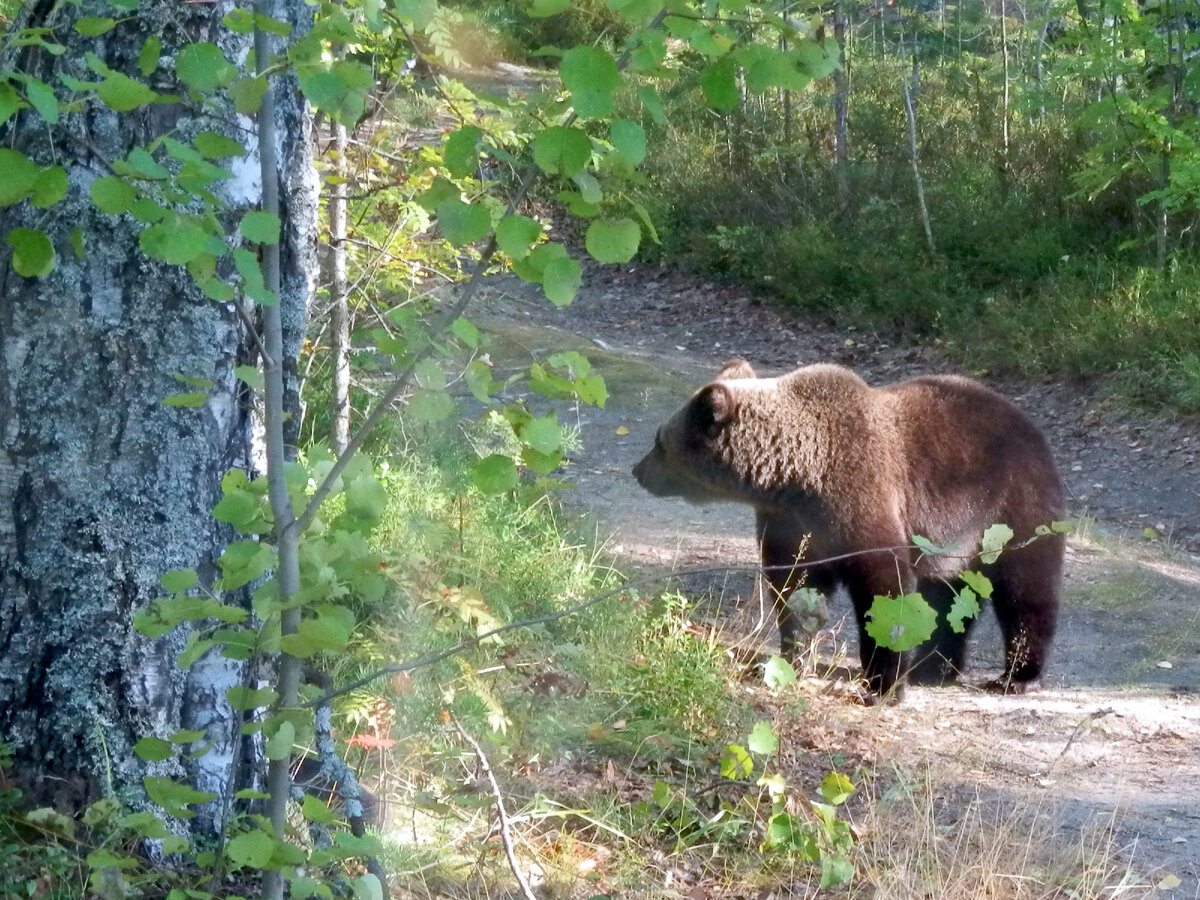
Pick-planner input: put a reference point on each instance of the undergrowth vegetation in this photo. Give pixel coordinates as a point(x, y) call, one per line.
point(1030, 272)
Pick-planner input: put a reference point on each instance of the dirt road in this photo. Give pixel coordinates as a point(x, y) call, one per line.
point(1114, 737)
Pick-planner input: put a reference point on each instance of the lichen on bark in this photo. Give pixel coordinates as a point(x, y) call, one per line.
point(103, 487)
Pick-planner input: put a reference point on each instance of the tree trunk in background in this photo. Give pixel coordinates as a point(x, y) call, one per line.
point(841, 103)
point(910, 109)
point(339, 317)
point(103, 488)
point(1004, 103)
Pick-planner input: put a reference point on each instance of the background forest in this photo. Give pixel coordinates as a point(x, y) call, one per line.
point(283, 522)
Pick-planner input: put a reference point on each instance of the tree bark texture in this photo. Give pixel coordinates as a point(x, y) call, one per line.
point(103, 487)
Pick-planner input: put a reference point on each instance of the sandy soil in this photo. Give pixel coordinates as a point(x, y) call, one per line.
point(1114, 736)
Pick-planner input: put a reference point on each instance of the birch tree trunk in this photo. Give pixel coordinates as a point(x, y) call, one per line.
point(103, 487)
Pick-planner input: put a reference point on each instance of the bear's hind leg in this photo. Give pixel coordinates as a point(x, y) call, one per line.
point(1026, 603)
point(942, 658)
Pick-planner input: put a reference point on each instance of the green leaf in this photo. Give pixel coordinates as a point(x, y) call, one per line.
point(591, 75)
point(33, 254)
point(279, 745)
point(142, 162)
point(419, 13)
point(147, 211)
point(239, 21)
point(560, 150)
point(149, 55)
point(719, 84)
point(981, 584)
point(540, 9)
point(330, 630)
point(203, 67)
point(272, 26)
point(835, 870)
point(113, 195)
point(247, 93)
point(260, 227)
point(463, 223)
point(339, 90)
point(41, 97)
point(179, 580)
point(101, 859)
point(929, 548)
point(195, 648)
point(817, 60)
point(736, 762)
point(173, 242)
point(494, 474)
point(366, 498)
point(479, 381)
point(965, 606)
point(174, 797)
point(465, 331)
point(462, 151)
point(589, 188)
point(901, 623)
point(542, 434)
point(367, 887)
point(778, 672)
point(17, 175)
point(217, 146)
point(629, 139)
point(533, 266)
point(650, 99)
point(316, 811)
point(244, 561)
point(147, 824)
point(994, 539)
point(430, 405)
point(120, 93)
point(243, 698)
point(516, 233)
point(240, 509)
point(251, 376)
point(613, 240)
point(153, 749)
point(561, 280)
point(786, 832)
point(762, 739)
point(251, 849)
point(94, 26)
point(49, 186)
point(836, 788)
point(77, 245)
point(10, 100)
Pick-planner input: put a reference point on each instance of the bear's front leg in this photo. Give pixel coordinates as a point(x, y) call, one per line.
point(874, 575)
point(780, 544)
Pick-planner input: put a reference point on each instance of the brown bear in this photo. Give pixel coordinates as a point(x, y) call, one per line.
point(860, 470)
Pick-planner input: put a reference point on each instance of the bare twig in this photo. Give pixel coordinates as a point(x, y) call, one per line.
point(501, 813)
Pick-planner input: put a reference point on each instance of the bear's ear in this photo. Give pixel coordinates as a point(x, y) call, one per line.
point(715, 406)
point(737, 368)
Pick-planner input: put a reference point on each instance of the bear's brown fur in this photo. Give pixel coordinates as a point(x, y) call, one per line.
point(820, 453)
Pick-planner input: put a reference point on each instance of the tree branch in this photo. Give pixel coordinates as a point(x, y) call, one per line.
point(501, 813)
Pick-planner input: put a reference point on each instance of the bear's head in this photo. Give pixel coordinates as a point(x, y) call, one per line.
point(686, 460)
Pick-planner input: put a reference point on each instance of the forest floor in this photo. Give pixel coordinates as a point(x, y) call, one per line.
point(1110, 745)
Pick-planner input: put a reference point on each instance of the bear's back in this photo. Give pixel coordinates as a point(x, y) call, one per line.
point(959, 435)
